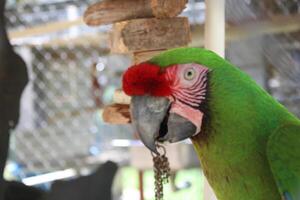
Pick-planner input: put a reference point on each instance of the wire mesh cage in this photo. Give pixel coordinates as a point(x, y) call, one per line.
point(60, 121)
point(58, 125)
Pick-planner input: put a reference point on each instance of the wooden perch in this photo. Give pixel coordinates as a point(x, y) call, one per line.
point(150, 34)
point(110, 11)
point(116, 114)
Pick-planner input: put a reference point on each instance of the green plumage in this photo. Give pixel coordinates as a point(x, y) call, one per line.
point(249, 145)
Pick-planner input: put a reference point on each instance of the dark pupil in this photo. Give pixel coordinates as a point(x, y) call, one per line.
point(190, 73)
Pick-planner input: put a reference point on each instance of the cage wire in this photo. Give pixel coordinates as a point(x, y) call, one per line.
point(60, 125)
point(61, 113)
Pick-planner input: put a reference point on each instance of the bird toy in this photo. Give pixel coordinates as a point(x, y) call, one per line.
point(161, 171)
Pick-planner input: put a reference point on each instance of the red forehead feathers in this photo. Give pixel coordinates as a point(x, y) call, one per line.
point(145, 78)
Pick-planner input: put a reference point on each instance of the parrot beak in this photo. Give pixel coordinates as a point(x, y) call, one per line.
point(154, 123)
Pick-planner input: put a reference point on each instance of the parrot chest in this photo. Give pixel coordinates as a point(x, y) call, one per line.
point(247, 180)
point(237, 169)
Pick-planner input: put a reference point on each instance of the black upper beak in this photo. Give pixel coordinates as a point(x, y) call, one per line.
point(153, 122)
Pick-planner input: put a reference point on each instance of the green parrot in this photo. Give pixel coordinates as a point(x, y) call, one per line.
point(248, 143)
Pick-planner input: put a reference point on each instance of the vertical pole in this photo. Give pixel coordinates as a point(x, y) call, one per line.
point(141, 184)
point(215, 41)
point(215, 26)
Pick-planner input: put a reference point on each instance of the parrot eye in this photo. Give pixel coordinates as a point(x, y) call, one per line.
point(189, 74)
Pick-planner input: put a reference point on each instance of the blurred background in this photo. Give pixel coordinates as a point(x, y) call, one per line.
point(61, 135)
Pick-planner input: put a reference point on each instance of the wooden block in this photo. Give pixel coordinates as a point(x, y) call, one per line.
point(143, 56)
point(110, 11)
point(150, 34)
point(116, 114)
point(167, 8)
point(120, 97)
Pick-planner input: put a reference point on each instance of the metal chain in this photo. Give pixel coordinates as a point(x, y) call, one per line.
point(161, 171)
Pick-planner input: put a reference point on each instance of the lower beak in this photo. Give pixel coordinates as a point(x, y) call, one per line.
point(154, 123)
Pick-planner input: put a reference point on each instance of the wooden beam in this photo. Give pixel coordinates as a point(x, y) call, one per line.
point(111, 11)
point(272, 25)
point(150, 34)
point(45, 28)
point(93, 39)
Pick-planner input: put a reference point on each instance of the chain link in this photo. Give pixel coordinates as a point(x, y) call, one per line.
point(161, 171)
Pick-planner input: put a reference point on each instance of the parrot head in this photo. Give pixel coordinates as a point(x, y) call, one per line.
point(168, 93)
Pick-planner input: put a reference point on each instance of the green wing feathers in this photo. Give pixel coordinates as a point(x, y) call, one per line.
point(283, 152)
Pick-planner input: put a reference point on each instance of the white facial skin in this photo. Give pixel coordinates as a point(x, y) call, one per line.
point(188, 85)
